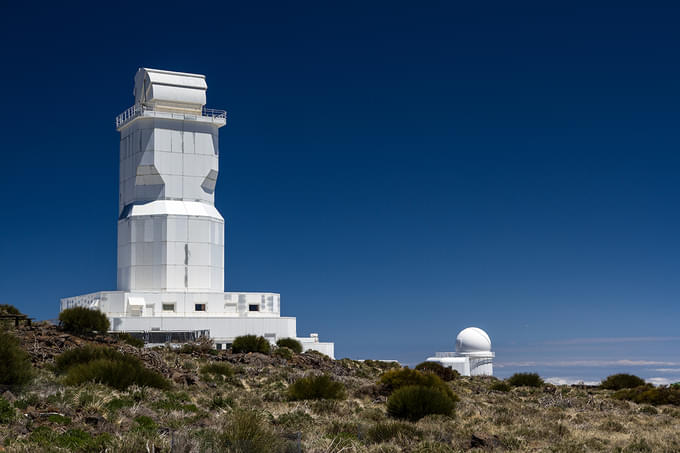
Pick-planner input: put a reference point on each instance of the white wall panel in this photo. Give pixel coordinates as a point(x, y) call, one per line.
point(188, 139)
point(199, 254)
point(162, 139)
point(168, 163)
point(173, 187)
point(176, 138)
point(204, 143)
point(217, 278)
point(199, 230)
point(199, 277)
point(175, 253)
point(177, 229)
point(148, 230)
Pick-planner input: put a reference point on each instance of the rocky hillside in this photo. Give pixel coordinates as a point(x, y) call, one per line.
point(218, 401)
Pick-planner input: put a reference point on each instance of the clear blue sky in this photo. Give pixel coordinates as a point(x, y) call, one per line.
point(396, 170)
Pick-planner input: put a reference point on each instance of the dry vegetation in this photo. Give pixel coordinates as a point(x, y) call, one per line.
point(222, 402)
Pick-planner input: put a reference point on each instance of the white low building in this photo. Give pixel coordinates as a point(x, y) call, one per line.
point(473, 356)
point(170, 235)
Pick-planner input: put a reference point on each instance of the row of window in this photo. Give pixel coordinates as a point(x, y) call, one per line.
point(202, 307)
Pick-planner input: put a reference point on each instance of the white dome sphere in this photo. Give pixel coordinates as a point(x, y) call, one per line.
point(473, 339)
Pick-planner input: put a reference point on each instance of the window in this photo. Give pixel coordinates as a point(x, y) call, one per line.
point(199, 307)
point(253, 308)
point(168, 307)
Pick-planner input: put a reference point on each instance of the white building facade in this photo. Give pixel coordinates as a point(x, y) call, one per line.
point(170, 235)
point(473, 356)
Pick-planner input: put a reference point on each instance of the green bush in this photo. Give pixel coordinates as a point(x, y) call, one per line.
point(59, 419)
point(250, 343)
point(71, 440)
point(386, 431)
point(81, 320)
point(622, 381)
point(15, 364)
point(445, 373)
point(290, 343)
point(106, 366)
point(86, 354)
point(7, 412)
point(414, 402)
point(648, 394)
point(395, 379)
point(145, 424)
point(525, 380)
point(247, 431)
point(500, 386)
point(117, 374)
point(132, 341)
point(316, 388)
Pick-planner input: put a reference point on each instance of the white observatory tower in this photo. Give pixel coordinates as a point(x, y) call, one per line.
point(170, 235)
point(473, 356)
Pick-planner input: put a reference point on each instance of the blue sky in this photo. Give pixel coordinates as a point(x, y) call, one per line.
point(396, 170)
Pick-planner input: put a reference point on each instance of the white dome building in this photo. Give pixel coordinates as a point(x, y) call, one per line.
point(473, 356)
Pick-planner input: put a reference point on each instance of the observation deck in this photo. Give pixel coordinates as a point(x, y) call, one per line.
point(207, 115)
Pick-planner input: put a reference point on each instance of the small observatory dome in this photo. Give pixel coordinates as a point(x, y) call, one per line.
point(472, 339)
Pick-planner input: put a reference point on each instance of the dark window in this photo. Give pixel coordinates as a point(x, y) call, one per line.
point(253, 308)
point(200, 307)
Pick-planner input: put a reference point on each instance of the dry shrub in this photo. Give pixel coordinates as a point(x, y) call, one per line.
point(316, 388)
point(384, 432)
point(216, 370)
point(414, 402)
point(202, 345)
point(284, 353)
point(246, 431)
point(7, 309)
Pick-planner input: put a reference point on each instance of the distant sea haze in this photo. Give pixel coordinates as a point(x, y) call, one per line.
point(592, 372)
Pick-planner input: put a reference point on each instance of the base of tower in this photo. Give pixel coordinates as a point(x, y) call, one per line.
point(150, 312)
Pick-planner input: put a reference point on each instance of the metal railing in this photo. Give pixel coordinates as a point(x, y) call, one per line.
point(137, 110)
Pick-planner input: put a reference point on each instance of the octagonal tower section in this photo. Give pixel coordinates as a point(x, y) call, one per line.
point(170, 235)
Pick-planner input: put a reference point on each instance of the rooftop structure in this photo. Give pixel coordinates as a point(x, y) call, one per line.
point(170, 235)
